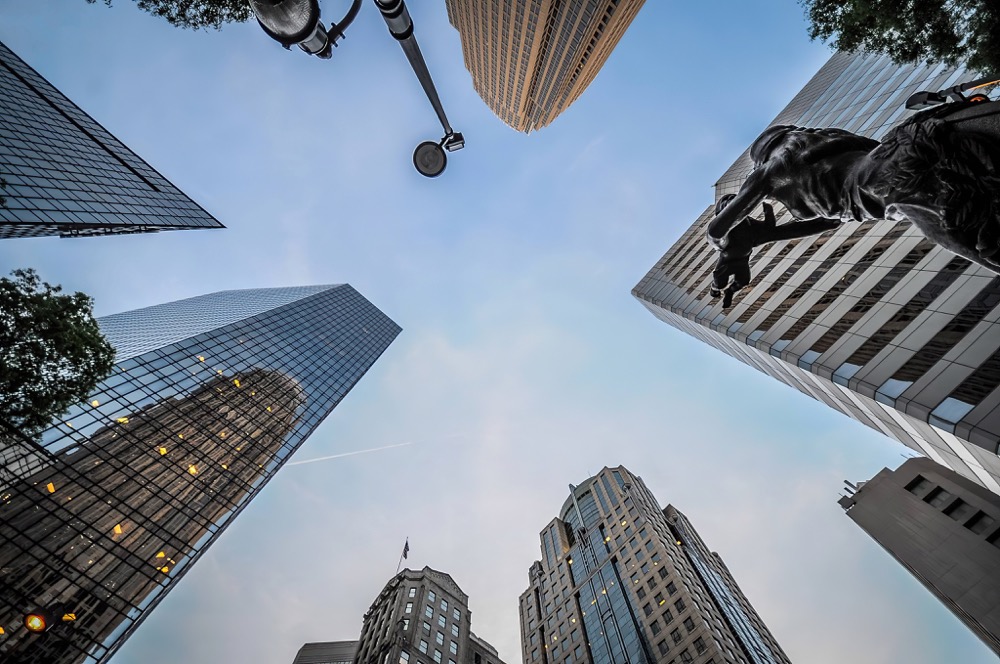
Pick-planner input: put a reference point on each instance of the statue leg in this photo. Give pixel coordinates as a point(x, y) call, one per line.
point(929, 221)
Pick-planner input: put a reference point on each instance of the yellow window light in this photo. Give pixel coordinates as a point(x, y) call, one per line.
point(1, 631)
point(118, 529)
point(222, 434)
point(51, 487)
point(236, 382)
point(181, 436)
point(35, 622)
point(164, 569)
point(225, 467)
point(624, 523)
point(201, 358)
point(163, 451)
point(193, 469)
point(69, 424)
point(69, 617)
point(161, 554)
point(95, 403)
point(269, 409)
point(218, 371)
point(122, 420)
point(662, 602)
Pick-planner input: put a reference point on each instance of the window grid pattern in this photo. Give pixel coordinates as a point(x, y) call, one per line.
point(113, 503)
point(66, 175)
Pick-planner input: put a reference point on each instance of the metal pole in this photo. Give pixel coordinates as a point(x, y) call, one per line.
point(397, 18)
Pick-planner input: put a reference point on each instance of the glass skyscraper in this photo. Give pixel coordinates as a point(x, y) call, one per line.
point(872, 319)
point(67, 175)
point(622, 581)
point(210, 396)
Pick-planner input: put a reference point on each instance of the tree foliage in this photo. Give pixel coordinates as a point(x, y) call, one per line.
point(910, 31)
point(52, 353)
point(196, 14)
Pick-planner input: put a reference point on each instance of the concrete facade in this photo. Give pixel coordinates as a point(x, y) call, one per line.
point(622, 581)
point(422, 617)
point(872, 319)
point(332, 652)
point(531, 59)
point(945, 530)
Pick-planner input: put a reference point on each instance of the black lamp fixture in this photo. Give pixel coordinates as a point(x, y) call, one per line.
point(297, 23)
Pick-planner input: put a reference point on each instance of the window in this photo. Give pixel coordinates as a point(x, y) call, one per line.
point(437, 656)
point(689, 624)
point(937, 497)
point(423, 646)
point(671, 588)
point(427, 628)
point(404, 657)
point(409, 608)
point(453, 648)
point(680, 605)
point(980, 523)
point(444, 605)
point(457, 615)
point(918, 485)
point(699, 645)
point(413, 592)
point(659, 599)
point(668, 617)
point(655, 627)
point(960, 510)
point(686, 656)
point(406, 624)
point(442, 621)
point(675, 635)
point(431, 596)
point(663, 647)
point(641, 592)
point(428, 611)
point(454, 631)
point(439, 637)
point(663, 572)
point(647, 609)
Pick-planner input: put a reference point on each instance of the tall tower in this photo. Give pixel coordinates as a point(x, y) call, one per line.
point(209, 397)
point(422, 617)
point(531, 59)
point(945, 530)
point(67, 175)
point(622, 581)
point(873, 319)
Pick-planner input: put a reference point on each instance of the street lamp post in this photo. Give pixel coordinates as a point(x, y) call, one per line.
point(297, 23)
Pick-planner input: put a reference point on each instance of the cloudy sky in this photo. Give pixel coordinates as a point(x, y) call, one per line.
point(524, 362)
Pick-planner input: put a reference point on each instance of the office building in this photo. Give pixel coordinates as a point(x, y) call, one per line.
point(872, 319)
point(623, 581)
point(531, 59)
point(103, 514)
point(67, 175)
point(422, 617)
point(944, 529)
point(333, 652)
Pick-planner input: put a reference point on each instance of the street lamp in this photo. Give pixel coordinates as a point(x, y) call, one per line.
point(297, 23)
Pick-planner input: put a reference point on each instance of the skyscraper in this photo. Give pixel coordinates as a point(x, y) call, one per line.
point(333, 652)
point(209, 397)
point(872, 319)
point(66, 175)
point(622, 581)
point(419, 618)
point(531, 59)
point(945, 530)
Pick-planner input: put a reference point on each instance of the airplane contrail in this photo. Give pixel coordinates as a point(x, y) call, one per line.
point(347, 454)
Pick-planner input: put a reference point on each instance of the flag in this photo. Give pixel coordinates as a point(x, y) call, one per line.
point(406, 547)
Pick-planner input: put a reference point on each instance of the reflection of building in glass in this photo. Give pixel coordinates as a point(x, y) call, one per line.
point(66, 175)
point(872, 319)
point(419, 618)
point(209, 397)
point(531, 59)
point(332, 652)
point(945, 530)
point(622, 581)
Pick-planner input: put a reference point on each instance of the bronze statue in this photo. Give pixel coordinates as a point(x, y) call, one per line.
point(939, 170)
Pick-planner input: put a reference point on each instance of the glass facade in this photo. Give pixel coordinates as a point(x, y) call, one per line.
point(872, 319)
point(531, 59)
point(107, 510)
point(66, 175)
point(622, 581)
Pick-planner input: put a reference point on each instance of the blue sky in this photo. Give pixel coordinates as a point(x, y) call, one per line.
point(524, 362)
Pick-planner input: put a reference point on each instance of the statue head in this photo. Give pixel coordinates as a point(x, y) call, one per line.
point(792, 140)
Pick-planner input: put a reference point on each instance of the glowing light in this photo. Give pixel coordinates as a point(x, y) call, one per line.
point(95, 403)
point(225, 467)
point(51, 487)
point(624, 523)
point(161, 554)
point(201, 358)
point(236, 382)
point(181, 436)
point(222, 434)
point(662, 602)
point(269, 409)
point(118, 529)
point(163, 451)
point(164, 569)
point(35, 623)
point(122, 420)
point(69, 617)
point(193, 469)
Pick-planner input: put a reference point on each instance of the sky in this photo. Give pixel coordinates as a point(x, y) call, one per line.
point(524, 363)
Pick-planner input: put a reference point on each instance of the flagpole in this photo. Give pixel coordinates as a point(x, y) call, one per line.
point(403, 553)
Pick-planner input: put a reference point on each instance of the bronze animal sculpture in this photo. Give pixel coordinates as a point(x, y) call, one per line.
point(939, 170)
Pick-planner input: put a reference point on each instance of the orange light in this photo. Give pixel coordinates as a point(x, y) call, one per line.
point(118, 529)
point(35, 623)
point(51, 487)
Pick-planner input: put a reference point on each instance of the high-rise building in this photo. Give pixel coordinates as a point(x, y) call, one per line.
point(872, 319)
point(67, 175)
point(622, 581)
point(945, 530)
point(422, 617)
point(332, 652)
point(103, 514)
point(531, 59)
